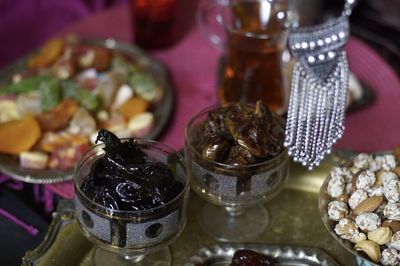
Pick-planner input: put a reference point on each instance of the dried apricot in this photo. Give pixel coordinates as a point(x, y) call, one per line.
point(133, 106)
point(48, 54)
point(19, 135)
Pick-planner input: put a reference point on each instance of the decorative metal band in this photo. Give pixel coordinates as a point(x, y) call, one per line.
point(239, 185)
point(127, 234)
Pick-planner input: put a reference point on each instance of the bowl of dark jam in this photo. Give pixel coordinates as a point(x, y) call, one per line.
point(131, 197)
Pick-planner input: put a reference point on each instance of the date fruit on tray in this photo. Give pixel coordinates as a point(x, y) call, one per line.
point(246, 257)
point(241, 134)
point(51, 111)
point(127, 179)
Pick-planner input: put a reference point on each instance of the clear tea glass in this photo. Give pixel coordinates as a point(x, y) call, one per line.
point(254, 39)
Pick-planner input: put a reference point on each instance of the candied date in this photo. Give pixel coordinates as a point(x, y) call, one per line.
point(240, 134)
point(213, 147)
point(246, 257)
point(126, 178)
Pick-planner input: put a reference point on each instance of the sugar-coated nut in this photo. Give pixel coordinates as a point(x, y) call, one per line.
point(341, 172)
point(358, 237)
point(375, 165)
point(346, 229)
point(335, 187)
point(390, 257)
point(391, 190)
point(395, 241)
point(386, 176)
point(381, 235)
point(362, 161)
point(365, 179)
point(388, 162)
point(337, 210)
point(375, 191)
point(392, 211)
point(370, 248)
point(368, 221)
point(357, 197)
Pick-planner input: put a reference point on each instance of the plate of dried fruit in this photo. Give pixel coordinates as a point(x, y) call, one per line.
point(54, 101)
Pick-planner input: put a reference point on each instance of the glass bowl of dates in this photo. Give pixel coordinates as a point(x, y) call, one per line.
point(236, 160)
point(131, 198)
point(359, 203)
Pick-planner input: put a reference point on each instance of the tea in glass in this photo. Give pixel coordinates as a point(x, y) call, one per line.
point(254, 68)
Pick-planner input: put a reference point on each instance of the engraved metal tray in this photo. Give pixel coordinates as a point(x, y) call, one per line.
point(294, 221)
point(221, 254)
point(9, 165)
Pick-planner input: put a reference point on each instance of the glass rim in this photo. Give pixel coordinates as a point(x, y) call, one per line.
point(256, 34)
point(125, 212)
point(223, 165)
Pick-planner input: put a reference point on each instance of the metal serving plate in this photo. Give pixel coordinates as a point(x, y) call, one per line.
point(221, 255)
point(9, 165)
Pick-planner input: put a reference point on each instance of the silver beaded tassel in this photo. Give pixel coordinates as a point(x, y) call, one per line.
point(319, 91)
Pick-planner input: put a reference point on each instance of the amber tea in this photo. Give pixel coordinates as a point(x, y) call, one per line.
point(253, 68)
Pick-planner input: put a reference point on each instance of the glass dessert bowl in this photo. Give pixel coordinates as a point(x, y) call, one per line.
point(131, 201)
point(236, 160)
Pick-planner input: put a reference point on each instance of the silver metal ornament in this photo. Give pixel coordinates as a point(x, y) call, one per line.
point(317, 103)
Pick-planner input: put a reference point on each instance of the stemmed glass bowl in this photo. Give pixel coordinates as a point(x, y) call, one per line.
point(234, 193)
point(132, 237)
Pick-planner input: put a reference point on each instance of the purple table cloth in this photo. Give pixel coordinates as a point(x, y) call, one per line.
point(192, 64)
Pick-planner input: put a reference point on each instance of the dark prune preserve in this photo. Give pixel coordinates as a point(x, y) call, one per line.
point(246, 257)
point(127, 179)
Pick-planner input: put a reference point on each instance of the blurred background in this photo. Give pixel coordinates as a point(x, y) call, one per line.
point(25, 24)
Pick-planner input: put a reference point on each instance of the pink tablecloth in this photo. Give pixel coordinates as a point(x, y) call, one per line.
point(192, 64)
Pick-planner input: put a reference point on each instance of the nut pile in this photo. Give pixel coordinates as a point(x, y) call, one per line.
point(365, 205)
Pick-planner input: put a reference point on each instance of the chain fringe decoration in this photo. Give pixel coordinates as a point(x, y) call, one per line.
point(316, 112)
point(318, 97)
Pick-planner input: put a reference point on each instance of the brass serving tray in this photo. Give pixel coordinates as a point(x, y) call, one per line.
point(9, 165)
point(295, 221)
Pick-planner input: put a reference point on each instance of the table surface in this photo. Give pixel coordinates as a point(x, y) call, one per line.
point(293, 214)
point(192, 65)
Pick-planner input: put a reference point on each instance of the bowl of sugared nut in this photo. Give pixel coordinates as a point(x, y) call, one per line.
point(359, 203)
